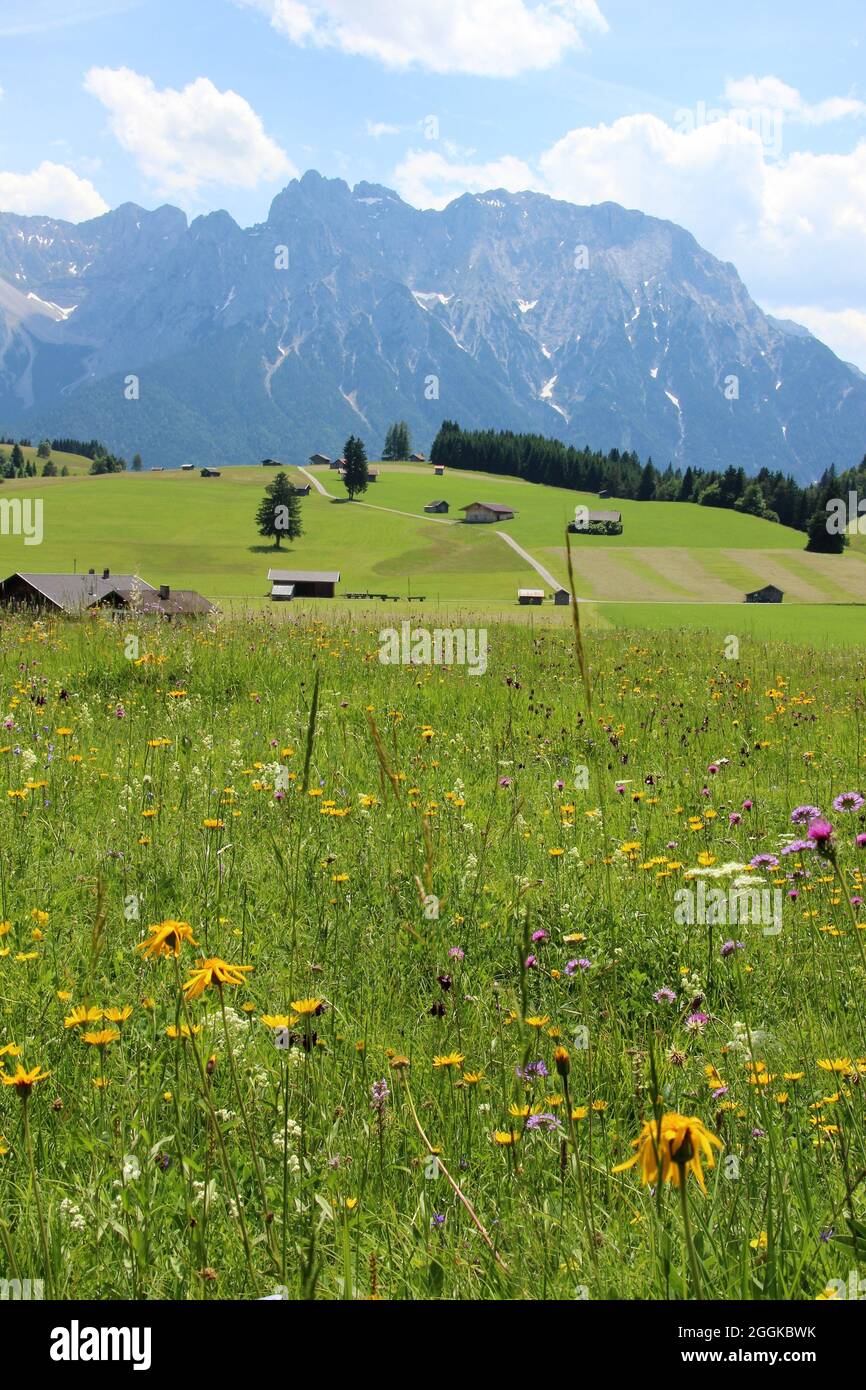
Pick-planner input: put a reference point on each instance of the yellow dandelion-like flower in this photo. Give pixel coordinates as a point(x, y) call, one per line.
point(677, 1144)
point(213, 971)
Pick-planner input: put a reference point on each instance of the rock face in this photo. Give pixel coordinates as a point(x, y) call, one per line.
point(348, 309)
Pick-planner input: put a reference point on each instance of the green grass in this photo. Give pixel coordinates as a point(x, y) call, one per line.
point(430, 882)
point(180, 529)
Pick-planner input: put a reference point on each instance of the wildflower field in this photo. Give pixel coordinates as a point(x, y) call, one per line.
point(380, 981)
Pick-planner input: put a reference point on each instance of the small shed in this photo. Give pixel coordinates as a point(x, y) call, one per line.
point(301, 489)
point(187, 467)
point(604, 492)
point(486, 512)
point(321, 458)
point(210, 472)
point(439, 470)
point(288, 584)
point(333, 463)
point(273, 463)
point(561, 597)
point(535, 596)
point(769, 594)
point(436, 507)
point(417, 458)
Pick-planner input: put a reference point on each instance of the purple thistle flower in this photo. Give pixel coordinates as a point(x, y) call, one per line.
point(821, 832)
point(860, 841)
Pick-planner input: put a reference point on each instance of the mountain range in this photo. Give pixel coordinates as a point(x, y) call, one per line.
point(208, 343)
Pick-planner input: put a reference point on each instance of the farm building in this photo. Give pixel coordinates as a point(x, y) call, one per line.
point(604, 493)
point(486, 512)
point(75, 593)
point(561, 597)
point(598, 524)
point(372, 474)
point(436, 507)
point(769, 594)
point(337, 463)
point(321, 458)
point(187, 467)
point(170, 603)
point(439, 470)
point(301, 489)
point(417, 458)
point(288, 584)
point(530, 596)
point(273, 463)
point(210, 472)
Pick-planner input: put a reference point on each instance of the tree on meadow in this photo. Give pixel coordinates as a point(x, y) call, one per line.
point(44, 450)
point(137, 464)
point(398, 443)
point(279, 512)
point(357, 474)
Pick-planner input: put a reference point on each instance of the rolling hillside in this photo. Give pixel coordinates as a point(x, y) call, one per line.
point(76, 463)
point(674, 564)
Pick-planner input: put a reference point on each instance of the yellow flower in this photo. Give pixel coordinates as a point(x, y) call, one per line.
point(184, 1031)
point(839, 1064)
point(81, 1014)
point(580, 1112)
point(537, 1020)
point(679, 1141)
point(760, 1242)
point(212, 823)
point(279, 1020)
point(505, 1137)
point(305, 1006)
point(119, 1015)
point(166, 938)
point(24, 1081)
point(212, 971)
point(11, 1050)
point(449, 1059)
point(102, 1038)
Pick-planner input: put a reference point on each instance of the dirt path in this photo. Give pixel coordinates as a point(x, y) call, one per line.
point(374, 506)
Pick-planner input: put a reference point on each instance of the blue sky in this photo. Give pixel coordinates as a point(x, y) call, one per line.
point(745, 122)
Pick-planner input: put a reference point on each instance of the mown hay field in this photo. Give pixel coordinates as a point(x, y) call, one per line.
point(361, 980)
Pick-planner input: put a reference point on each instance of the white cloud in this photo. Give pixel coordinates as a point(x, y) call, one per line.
point(491, 38)
point(184, 141)
point(772, 94)
point(53, 190)
point(794, 224)
point(428, 179)
point(843, 330)
point(379, 128)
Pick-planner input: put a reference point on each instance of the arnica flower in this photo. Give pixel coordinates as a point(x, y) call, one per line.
point(82, 1014)
point(166, 939)
point(306, 1007)
point(213, 971)
point(679, 1142)
point(103, 1038)
point(24, 1081)
point(449, 1059)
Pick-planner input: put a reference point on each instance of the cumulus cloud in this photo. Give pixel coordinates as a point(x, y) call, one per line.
point(490, 38)
point(185, 141)
point(774, 95)
point(379, 128)
point(52, 190)
point(792, 222)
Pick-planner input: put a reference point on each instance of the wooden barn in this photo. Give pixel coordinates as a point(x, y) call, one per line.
point(769, 594)
point(487, 512)
point(534, 596)
point(439, 470)
point(321, 459)
point(66, 593)
point(289, 584)
point(273, 463)
point(561, 597)
point(210, 472)
point(436, 507)
point(167, 602)
point(417, 458)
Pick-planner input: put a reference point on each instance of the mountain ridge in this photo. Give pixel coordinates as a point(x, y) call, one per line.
point(347, 308)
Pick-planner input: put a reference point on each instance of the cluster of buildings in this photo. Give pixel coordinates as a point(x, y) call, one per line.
point(76, 594)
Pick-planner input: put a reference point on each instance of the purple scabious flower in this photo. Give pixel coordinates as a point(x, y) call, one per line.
point(734, 818)
point(719, 1092)
point(665, 996)
point(457, 953)
point(540, 935)
point(697, 1022)
point(797, 847)
point(801, 815)
point(848, 801)
point(731, 946)
point(546, 1121)
point(764, 861)
point(532, 1070)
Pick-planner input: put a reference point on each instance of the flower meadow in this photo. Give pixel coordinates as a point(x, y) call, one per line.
point(362, 981)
